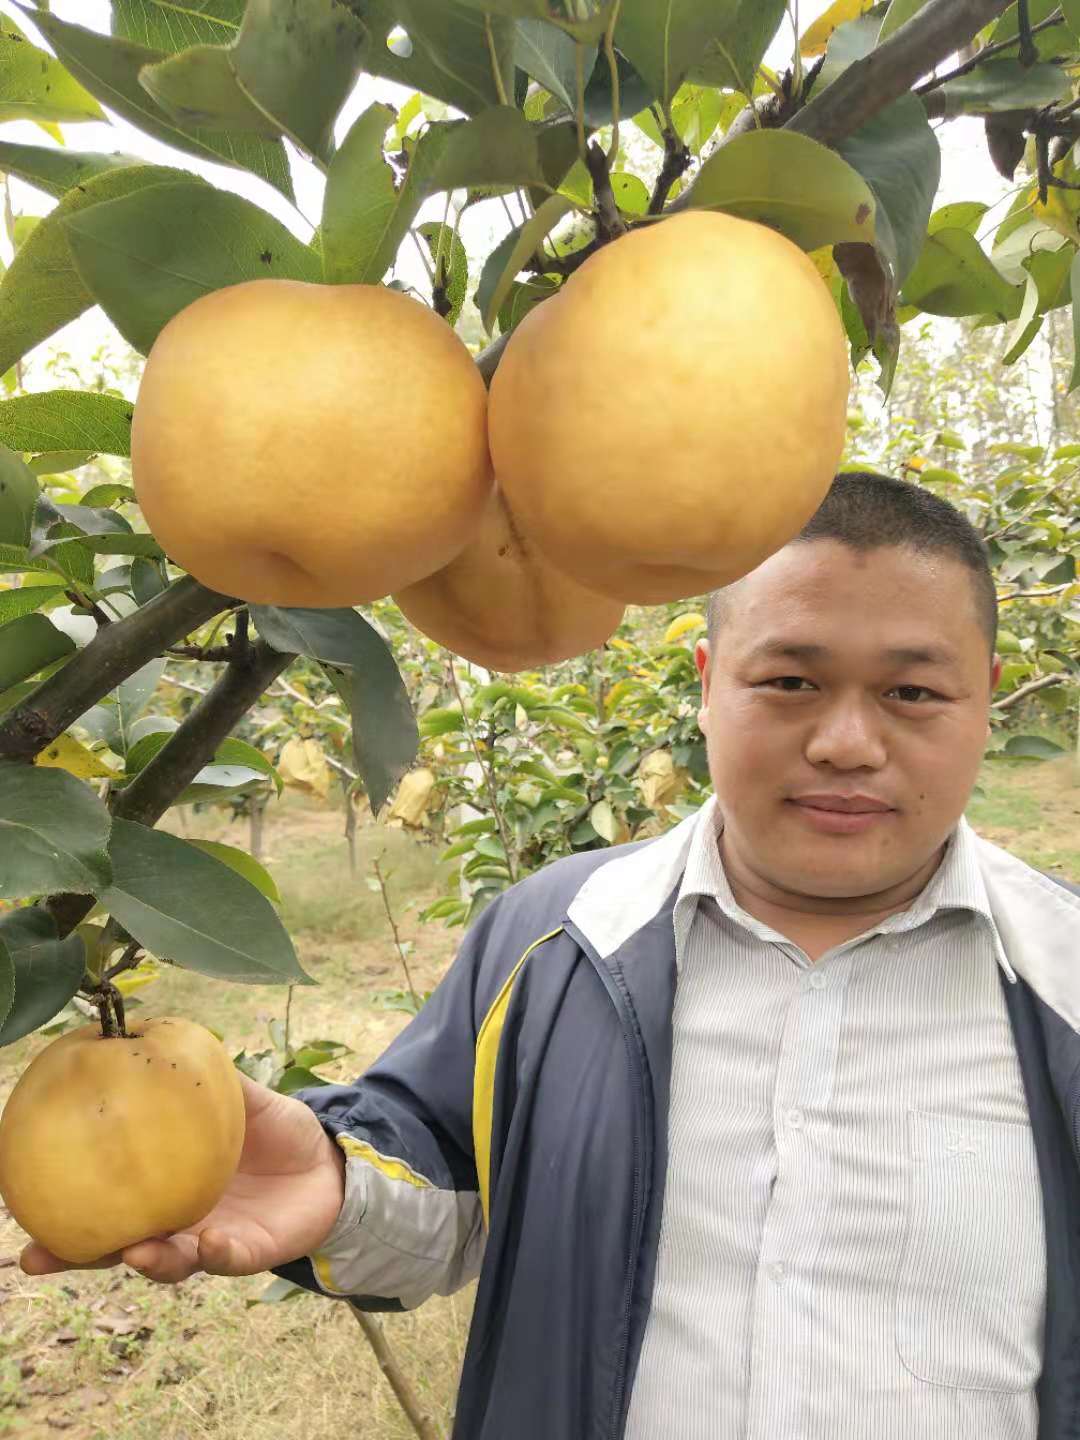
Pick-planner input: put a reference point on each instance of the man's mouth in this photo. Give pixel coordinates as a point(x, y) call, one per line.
point(841, 814)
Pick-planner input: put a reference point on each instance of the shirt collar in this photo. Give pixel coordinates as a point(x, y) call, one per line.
point(957, 884)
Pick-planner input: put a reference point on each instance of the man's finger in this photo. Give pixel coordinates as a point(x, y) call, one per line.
point(36, 1260)
point(168, 1261)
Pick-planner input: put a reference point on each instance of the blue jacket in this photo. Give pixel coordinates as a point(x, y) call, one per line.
point(516, 1129)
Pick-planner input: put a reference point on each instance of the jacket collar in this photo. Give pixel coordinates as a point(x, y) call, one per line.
point(1035, 923)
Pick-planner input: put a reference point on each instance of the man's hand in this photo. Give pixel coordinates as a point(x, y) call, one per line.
point(281, 1204)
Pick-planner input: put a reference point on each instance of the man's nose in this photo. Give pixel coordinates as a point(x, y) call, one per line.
point(847, 736)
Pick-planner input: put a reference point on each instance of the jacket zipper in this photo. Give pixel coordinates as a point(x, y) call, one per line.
point(642, 1160)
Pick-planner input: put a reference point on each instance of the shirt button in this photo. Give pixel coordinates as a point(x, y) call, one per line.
point(778, 1272)
point(796, 1119)
point(818, 980)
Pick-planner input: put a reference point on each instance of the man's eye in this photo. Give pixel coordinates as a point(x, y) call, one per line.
point(913, 692)
point(787, 683)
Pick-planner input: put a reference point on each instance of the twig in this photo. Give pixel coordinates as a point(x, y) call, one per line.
point(1029, 53)
point(677, 160)
point(985, 54)
point(613, 71)
point(609, 223)
point(393, 927)
point(423, 1424)
point(116, 651)
point(1036, 594)
point(868, 85)
point(489, 777)
point(1025, 690)
point(180, 759)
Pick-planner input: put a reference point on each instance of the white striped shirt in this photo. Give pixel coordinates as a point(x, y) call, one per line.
point(852, 1243)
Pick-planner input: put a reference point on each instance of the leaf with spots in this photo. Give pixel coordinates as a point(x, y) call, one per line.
point(149, 255)
point(41, 290)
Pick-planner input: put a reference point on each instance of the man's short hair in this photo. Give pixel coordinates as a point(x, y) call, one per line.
point(867, 511)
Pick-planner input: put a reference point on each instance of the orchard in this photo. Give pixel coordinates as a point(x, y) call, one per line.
point(415, 503)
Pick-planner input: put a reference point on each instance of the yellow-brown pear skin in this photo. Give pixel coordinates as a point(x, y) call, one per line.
point(676, 413)
point(501, 604)
point(105, 1142)
point(300, 444)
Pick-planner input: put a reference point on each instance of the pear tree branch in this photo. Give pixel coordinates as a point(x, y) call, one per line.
point(177, 763)
point(116, 651)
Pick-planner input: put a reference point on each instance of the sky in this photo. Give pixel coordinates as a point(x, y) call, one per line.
point(966, 169)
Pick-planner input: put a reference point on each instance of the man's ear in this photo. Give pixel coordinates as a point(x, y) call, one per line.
point(995, 674)
point(701, 660)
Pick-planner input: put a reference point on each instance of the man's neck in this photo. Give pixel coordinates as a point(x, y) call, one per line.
point(815, 923)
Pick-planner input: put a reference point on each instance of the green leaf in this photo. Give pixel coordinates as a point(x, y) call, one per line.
point(67, 420)
point(898, 156)
point(954, 277)
point(721, 41)
point(147, 256)
point(244, 864)
point(506, 260)
point(384, 731)
point(448, 55)
point(1030, 747)
point(166, 25)
point(450, 263)
point(59, 462)
point(900, 12)
point(7, 986)
point(1074, 282)
point(289, 70)
point(1047, 42)
point(960, 215)
point(58, 170)
point(186, 906)
point(19, 493)
point(365, 218)
point(1027, 326)
point(221, 782)
point(497, 147)
point(233, 751)
point(27, 645)
point(43, 971)
point(53, 832)
point(807, 192)
point(630, 193)
point(42, 291)
point(34, 86)
point(109, 68)
point(547, 55)
point(730, 59)
point(26, 599)
point(1002, 85)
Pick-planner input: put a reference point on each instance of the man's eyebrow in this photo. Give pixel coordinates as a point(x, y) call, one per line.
point(939, 655)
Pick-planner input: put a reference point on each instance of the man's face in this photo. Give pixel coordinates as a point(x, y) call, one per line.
point(809, 694)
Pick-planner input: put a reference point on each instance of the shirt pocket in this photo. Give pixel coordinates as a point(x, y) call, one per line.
point(971, 1286)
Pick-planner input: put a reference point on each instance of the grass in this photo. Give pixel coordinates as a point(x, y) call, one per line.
point(108, 1356)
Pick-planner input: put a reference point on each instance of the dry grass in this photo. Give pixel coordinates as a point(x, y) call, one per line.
point(93, 1355)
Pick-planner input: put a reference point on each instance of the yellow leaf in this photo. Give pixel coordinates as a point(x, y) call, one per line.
point(683, 625)
point(659, 779)
point(413, 798)
point(816, 36)
point(128, 981)
point(302, 765)
point(67, 754)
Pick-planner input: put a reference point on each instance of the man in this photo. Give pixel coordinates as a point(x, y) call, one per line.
point(764, 1128)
